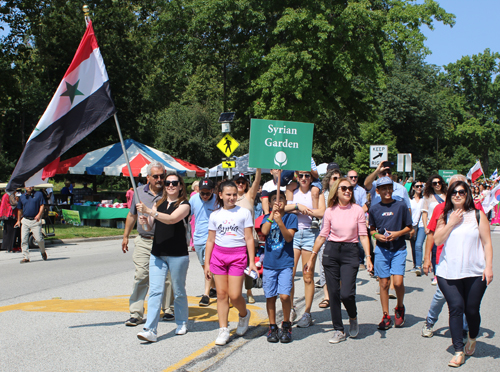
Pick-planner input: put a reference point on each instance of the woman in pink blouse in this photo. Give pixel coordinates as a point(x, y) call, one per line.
point(343, 222)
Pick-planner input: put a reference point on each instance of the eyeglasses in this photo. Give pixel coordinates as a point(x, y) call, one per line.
point(205, 193)
point(241, 182)
point(173, 183)
point(353, 177)
point(345, 188)
point(418, 186)
point(436, 183)
point(160, 176)
point(306, 175)
point(460, 192)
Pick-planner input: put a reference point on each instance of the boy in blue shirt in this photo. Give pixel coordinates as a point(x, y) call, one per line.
point(277, 276)
point(389, 221)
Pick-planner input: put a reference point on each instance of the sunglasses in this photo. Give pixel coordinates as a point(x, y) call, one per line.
point(173, 183)
point(307, 175)
point(345, 188)
point(160, 176)
point(353, 177)
point(335, 178)
point(385, 173)
point(418, 186)
point(205, 193)
point(459, 192)
point(241, 182)
point(436, 183)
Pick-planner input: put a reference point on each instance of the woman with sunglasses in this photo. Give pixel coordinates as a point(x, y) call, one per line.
point(465, 267)
point(434, 194)
point(417, 241)
point(169, 253)
point(246, 199)
point(344, 221)
point(303, 240)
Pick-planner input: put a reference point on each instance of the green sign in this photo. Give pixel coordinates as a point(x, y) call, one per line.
point(446, 174)
point(71, 217)
point(278, 144)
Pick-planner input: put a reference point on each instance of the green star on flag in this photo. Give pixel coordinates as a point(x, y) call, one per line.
point(72, 91)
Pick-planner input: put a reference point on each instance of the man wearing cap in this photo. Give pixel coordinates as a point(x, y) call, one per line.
point(29, 217)
point(202, 205)
point(390, 220)
point(399, 191)
point(149, 194)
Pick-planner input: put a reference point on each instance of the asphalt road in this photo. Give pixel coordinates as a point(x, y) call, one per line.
point(68, 313)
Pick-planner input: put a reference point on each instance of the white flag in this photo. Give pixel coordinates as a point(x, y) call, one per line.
point(494, 175)
point(490, 200)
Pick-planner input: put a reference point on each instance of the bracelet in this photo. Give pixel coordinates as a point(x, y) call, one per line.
point(296, 206)
point(312, 252)
point(367, 255)
point(375, 233)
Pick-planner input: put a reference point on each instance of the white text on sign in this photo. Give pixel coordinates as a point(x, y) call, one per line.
point(281, 130)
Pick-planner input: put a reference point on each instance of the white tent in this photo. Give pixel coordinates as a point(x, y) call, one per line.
point(241, 167)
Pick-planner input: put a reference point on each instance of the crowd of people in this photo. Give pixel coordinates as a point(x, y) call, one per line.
point(349, 226)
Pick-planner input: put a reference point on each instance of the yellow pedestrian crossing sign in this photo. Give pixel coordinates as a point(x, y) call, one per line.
point(228, 164)
point(227, 145)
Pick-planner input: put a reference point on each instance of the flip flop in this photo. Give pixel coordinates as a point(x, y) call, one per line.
point(324, 304)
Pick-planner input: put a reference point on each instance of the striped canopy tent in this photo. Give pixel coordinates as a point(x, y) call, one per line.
point(110, 161)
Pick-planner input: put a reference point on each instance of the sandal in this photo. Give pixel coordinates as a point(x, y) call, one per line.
point(457, 360)
point(324, 304)
point(470, 347)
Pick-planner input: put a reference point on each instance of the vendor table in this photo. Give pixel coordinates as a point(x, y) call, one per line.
point(99, 213)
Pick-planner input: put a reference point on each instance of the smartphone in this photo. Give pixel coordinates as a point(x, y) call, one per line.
point(386, 164)
point(386, 233)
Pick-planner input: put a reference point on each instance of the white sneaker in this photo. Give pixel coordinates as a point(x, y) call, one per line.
point(305, 321)
point(181, 330)
point(338, 336)
point(243, 324)
point(147, 335)
point(223, 337)
point(293, 315)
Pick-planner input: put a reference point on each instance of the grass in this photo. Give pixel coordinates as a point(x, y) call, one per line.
point(70, 232)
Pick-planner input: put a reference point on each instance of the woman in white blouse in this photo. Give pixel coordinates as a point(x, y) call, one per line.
point(465, 266)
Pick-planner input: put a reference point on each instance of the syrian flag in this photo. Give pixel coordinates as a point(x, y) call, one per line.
point(494, 175)
point(475, 172)
point(81, 103)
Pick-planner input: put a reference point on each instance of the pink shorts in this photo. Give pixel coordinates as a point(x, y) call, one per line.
point(228, 261)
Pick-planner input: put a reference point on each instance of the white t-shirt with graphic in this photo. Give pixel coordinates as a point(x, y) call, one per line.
point(229, 226)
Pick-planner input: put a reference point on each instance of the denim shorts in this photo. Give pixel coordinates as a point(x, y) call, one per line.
point(200, 252)
point(389, 263)
point(277, 282)
point(305, 238)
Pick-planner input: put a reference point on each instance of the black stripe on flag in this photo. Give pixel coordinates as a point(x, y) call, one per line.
point(63, 134)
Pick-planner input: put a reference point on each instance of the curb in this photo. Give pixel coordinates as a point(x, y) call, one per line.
point(80, 240)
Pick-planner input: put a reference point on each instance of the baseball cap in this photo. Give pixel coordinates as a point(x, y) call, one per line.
point(206, 184)
point(384, 181)
point(332, 166)
point(241, 175)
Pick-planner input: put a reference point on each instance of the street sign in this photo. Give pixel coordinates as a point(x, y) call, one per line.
point(404, 163)
point(229, 162)
point(446, 174)
point(276, 144)
point(378, 154)
point(227, 145)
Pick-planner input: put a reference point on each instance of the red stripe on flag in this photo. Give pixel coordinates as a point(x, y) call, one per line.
point(87, 45)
point(50, 169)
point(476, 174)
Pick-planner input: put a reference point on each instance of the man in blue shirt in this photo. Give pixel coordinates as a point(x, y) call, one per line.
point(399, 191)
point(29, 217)
point(202, 205)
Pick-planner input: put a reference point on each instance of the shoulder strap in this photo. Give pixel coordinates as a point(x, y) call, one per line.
point(478, 216)
point(438, 198)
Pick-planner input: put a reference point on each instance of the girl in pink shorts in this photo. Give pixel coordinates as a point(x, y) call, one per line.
point(229, 239)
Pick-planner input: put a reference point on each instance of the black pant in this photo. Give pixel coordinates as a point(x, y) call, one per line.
point(433, 259)
point(463, 296)
point(8, 234)
point(341, 264)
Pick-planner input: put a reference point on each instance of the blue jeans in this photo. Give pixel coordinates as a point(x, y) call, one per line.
point(158, 268)
point(437, 304)
point(416, 247)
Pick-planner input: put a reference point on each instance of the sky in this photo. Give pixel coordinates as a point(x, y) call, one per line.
point(476, 29)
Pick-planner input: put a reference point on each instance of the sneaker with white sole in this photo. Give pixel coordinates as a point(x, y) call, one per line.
point(353, 327)
point(428, 329)
point(243, 324)
point(181, 329)
point(305, 321)
point(293, 315)
point(434, 281)
point(147, 335)
point(338, 336)
point(223, 336)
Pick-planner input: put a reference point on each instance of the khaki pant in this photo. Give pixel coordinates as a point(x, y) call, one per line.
point(142, 253)
point(34, 227)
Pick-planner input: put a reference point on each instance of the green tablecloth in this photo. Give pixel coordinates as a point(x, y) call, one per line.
point(99, 213)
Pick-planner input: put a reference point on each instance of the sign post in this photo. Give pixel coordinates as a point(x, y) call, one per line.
point(378, 154)
point(227, 145)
